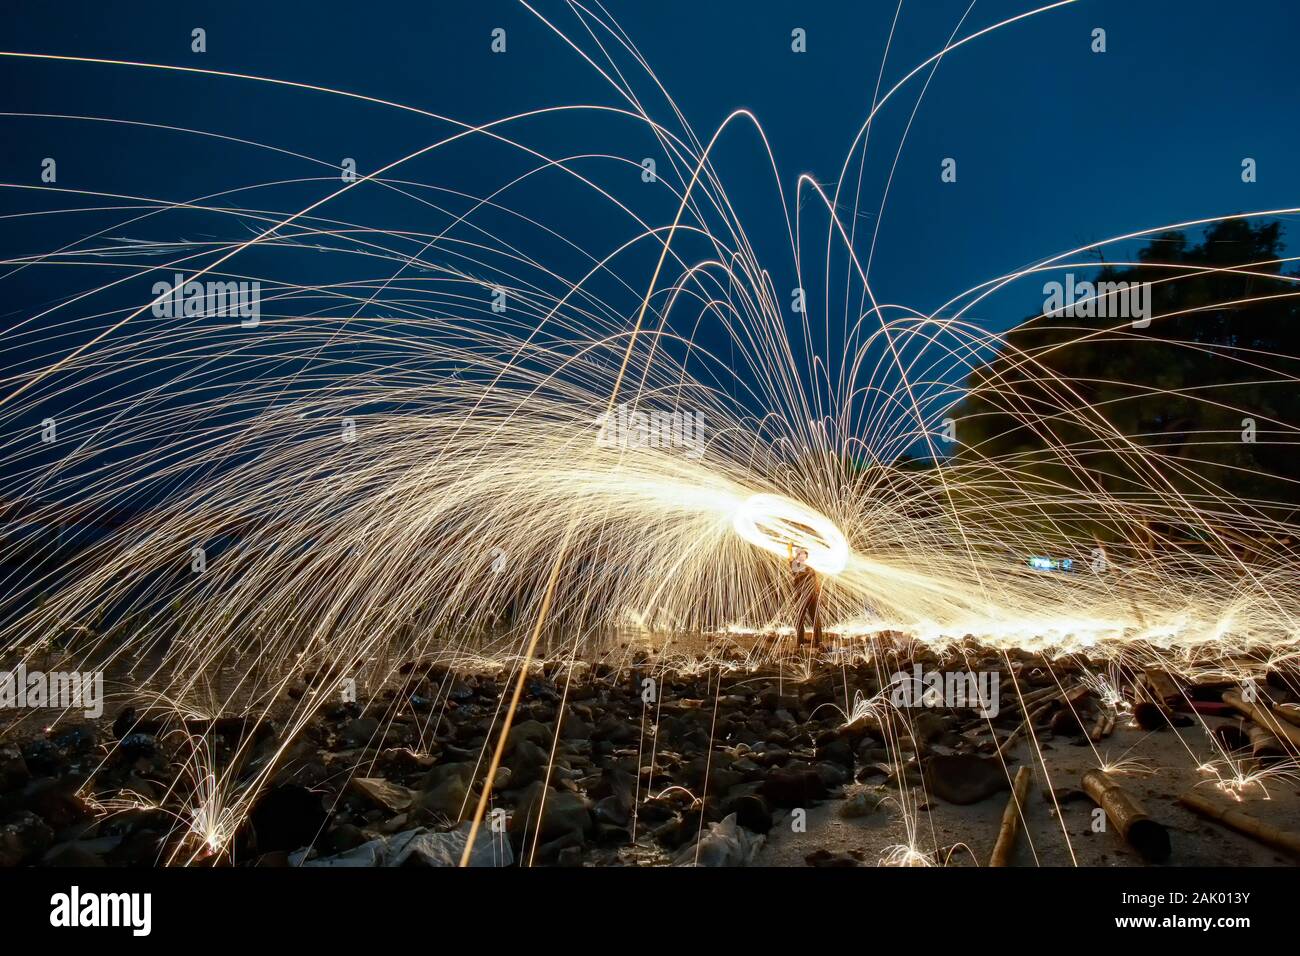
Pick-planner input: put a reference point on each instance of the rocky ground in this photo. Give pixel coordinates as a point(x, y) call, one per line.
point(711, 765)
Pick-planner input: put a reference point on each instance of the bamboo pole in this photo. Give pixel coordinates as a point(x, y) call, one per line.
point(1104, 726)
point(1151, 715)
point(1264, 745)
point(1070, 697)
point(1145, 835)
point(1242, 822)
point(1288, 712)
point(1010, 829)
point(1263, 717)
point(1162, 687)
point(1033, 697)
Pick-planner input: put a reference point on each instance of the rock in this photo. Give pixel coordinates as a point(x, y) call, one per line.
point(135, 746)
point(397, 734)
point(129, 721)
point(533, 731)
point(43, 758)
point(770, 754)
point(401, 760)
point(76, 741)
point(344, 710)
point(460, 691)
point(930, 726)
point(141, 848)
point(720, 777)
point(682, 829)
point(539, 688)
point(567, 846)
point(561, 812)
point(872, 770)
point(655, 810)
point(450, 799)
point(301, 762)
point(871, 752)
point(569, 856)
point(612, 811)
point(815, 699)
point(749, 807)
point(796, 786)
point(447, 794)
point(575, 728)
point(463, 771)
point(964, 778)
point(75, 853)
point(864, 803)
point(833, 774)
point(360, 731)
point(379, 791)
point(615, 782)
point(23, 838)
point(13, 768)
point(56, 800)
point(527, 763)
point(608, 834)
point(87, 829)
point(863, 729)
point(612, 729)
point(287, 817)
point(342, 838)
point(838, 751)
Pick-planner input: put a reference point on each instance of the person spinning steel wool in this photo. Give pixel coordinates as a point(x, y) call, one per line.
point(807, 589)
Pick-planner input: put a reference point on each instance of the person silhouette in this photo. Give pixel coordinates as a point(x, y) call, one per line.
point(807, 589)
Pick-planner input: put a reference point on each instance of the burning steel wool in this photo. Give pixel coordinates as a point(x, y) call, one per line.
point(480, 551)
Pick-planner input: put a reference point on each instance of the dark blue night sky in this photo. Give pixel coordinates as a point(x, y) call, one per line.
point(1056, 146)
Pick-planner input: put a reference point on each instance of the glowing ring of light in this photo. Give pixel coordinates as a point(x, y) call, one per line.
point(775, 522)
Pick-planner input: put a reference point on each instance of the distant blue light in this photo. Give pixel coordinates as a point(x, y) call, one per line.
point(1051, 564)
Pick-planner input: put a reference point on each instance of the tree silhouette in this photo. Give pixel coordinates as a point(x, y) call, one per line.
point(1203, 400)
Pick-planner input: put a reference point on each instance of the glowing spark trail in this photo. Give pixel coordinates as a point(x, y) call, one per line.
point(404, 465)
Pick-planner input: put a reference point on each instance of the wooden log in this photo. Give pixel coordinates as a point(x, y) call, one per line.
point(1242, 822)
point(1145, 835)
point(1010, 829)
point(1264, 717)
